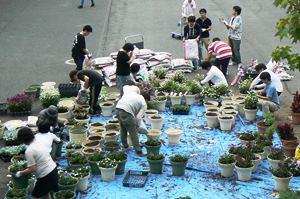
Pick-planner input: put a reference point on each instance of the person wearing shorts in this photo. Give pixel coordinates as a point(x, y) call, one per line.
point(124, 59)
point(40, 163)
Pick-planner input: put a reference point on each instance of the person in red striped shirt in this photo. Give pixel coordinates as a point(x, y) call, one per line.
point(223, 54)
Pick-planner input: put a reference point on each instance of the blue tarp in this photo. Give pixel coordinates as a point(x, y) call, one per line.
point(206, 146)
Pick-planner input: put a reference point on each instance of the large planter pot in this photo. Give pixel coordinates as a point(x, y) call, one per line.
point(156, 121)
point(212, 119)
point(225, 122)
point(189, 99)
point(250, 114)
point(161, 105)
point(208, 104)
point(274, 164)
point(156, 166)
point(178, 168)
point(94, 167)
point(149, 113)
point(108, 174)
point(175, 100)
point(282, 184)
point(154, 134)
point(240, 105)
point(107, 108)
point(120, 167)
point(55, 195)
point(255, 163)
point(227, 170)
point(82, 184)
point(244, 174)
point(78, 134)
point(174, 136)
point(289, 151)
point(296, 118)
point(261, 127)
point(153, 149)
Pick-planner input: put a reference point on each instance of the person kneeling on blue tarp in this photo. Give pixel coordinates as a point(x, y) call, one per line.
point(130, 110)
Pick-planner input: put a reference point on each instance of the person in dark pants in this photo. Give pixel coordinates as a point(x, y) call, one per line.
point(82, 2)
point(79, 49)
point(40, 163)
point(205, 25)
point(223, 54)
point(92, 80)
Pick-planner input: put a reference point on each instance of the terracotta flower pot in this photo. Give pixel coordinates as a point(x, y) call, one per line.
point(296, 118)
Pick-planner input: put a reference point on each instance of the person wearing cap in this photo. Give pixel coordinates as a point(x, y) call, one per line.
point(39, 163)
point(130, 110)
point(50, 114)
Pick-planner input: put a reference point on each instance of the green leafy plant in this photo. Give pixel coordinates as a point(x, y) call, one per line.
point(96, 157)
point(251, 101)
point(64, 194)
point(178, 77)
point(179, 108)
point(194, 87)
point(160, 73)
point(222, 90)
point(289, 194)
point(66, 179)
point(155, 156)
point(244, 87)
point(160, 99)
point(10, 135)
point(179, 158)
point(77, 159)
point(73, 145)
point(247, 136)
point(257, 148)
point(49, 97)
point(152, 142)
point(226, 159)
point(18, 166)
point(117, 156)
point(235, 149)
point(269, 119)
point(184, 197)
point(282, 172)
point(152, 105)
point(277, 154)
point(10, 151)
point(243, 162)
point(107, 163)
point(16, 193)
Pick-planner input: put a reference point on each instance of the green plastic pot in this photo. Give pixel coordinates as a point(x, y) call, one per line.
point(121, 167)
point(56, 150)
point(38, 87)
point(153, 149)
point(94, 167)
point(156, 166)
point(178, 168)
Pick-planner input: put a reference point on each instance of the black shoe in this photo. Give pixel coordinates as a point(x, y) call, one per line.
point(92, 5)
point(79, 7)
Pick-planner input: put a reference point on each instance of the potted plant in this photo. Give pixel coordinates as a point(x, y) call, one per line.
point(49, 97)
point(258, 149)
point(31, 92)
point(63, 113)
point(65, 194)
point(149, 113)
point(180, 109)
point(81, 115)
point(178, 163)
point(174, 136)
point(226, 122)
point(194, 88)
point(265, 143)
point(244, 167)
point(156, 121)
point(92, 144)
point(6, 153)
point(73, 146)
point(78, 134)
point(226, 163)
point(154, 134)
point(268, 121)
point(160, 73)
point(67, 182)
point(212, 109)
point(111, 146)
point(293, 166)
point(21, 182)
point(223, 91)
point(247, 138)
point(82, 174)
point(209, 104)
point(235, 150)
point(121, 158)
point(161, 103)
point(19, 104)
point(10, 137)
point(178, 77)
point(244, 87)
point(247, 152)
point(93, 160)
point(211, 94)
point(282, 177)
point(76, 159)
point(111, 136)
point(276, 157)
point(250, 108)
point(155, 163)
point(152, 146)
point(108, 169)
point(212, 119)
point(288, 139)
point(107, 108)
point(15, 193)
point(296, 108)
point(18, 158)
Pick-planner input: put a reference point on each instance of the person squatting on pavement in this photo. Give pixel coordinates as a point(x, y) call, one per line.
point(214, 75)
point(50, 115)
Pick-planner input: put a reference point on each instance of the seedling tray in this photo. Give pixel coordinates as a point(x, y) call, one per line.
point(135, 179)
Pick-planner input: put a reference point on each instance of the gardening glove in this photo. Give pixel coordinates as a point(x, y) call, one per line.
point(18, 174)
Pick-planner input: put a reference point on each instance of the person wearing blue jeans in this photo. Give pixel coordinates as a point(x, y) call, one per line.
point(82, 2)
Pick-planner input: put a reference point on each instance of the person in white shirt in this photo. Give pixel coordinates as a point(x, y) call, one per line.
point(260, 68)
point(214, 75)
point(130, 110)
point(188, 8)
point(40, 163)
point(45, 137)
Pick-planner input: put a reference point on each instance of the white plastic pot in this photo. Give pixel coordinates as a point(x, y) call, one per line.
point(110, 136)
point(208, 104)
point(175, 100)
point(231, 112)
point(250, 114)
point(227, 170)
point(225, 124)
point(174, 136)
point(189, 99)
point(154, 134)
point(86, 121)
point(156, 123)
point(107, 108)
point(108, 174)
point(161, 105)
point(212, 119)
point(256, 163)
point(83, 183)
point(149, 113)
point(282, 184)
point(274, 164)
point(244, 174)
point(64, 116)
point(240, 107)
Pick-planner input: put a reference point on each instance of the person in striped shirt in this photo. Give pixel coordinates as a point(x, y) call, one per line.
point(223, 54)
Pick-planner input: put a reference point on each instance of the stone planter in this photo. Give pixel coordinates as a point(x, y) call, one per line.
point(212, 119)
point(174, 136)
point(175, 100)
point(256, 163)
point(161, 105)
point(282, 184)
point(107, 108)
point(250, 114)
point(178, 168)
point(153, 149)
point(225, 122)
point(208, 104)
point(149, 113)
point(154, 134)
point(108, 174)
point(156, 121)
point(189, 99)
point(244, 174)
point(227, 170)
point(296, 118)
point(156, 166)
point(274, 164)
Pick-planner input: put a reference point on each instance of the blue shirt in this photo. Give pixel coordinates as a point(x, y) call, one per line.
point(271, 93)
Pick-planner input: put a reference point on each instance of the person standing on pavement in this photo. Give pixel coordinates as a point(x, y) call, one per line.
point(130, 110)
point(92, 80)
point(79, 49)
point(40, 163)
point(193, 31)
point(82, 2)
point(235, 34)
point(214, 75)
point(124, 58)
point(205, 25)
point(188, 8)
point(223, 54)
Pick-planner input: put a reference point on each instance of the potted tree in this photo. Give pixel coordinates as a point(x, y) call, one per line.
point(107, 108)
point(247, 138)
point(174, 136)
point(67, 182)
point(178, 163)
point(288, 139)
point(282, 177)
point(296, 108)
point(108, 169)
point(156, 121)
point(155, 163)
point(23, 181)
point(15, 193)
point(121, 158)
point(276, 157)
point(244, 167)
point(212, 119)
point(226, 122)
point(226, 163)
point(65, 194)
point(19, 104)
point(250, 109)
point(111, 146)
point(93, 160)
point(268, 121)
point(83, 175)
point(152, 146)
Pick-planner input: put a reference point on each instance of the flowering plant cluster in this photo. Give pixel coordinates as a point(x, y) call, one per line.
point(296, 103)
point(285, 131)
point(49, 97)
point(282, 172)
point(19, 103)
point(277, 154)
point(244, 162)
point(226, 159)
point(107, 163)
point(81, 172)
point(251, 100)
